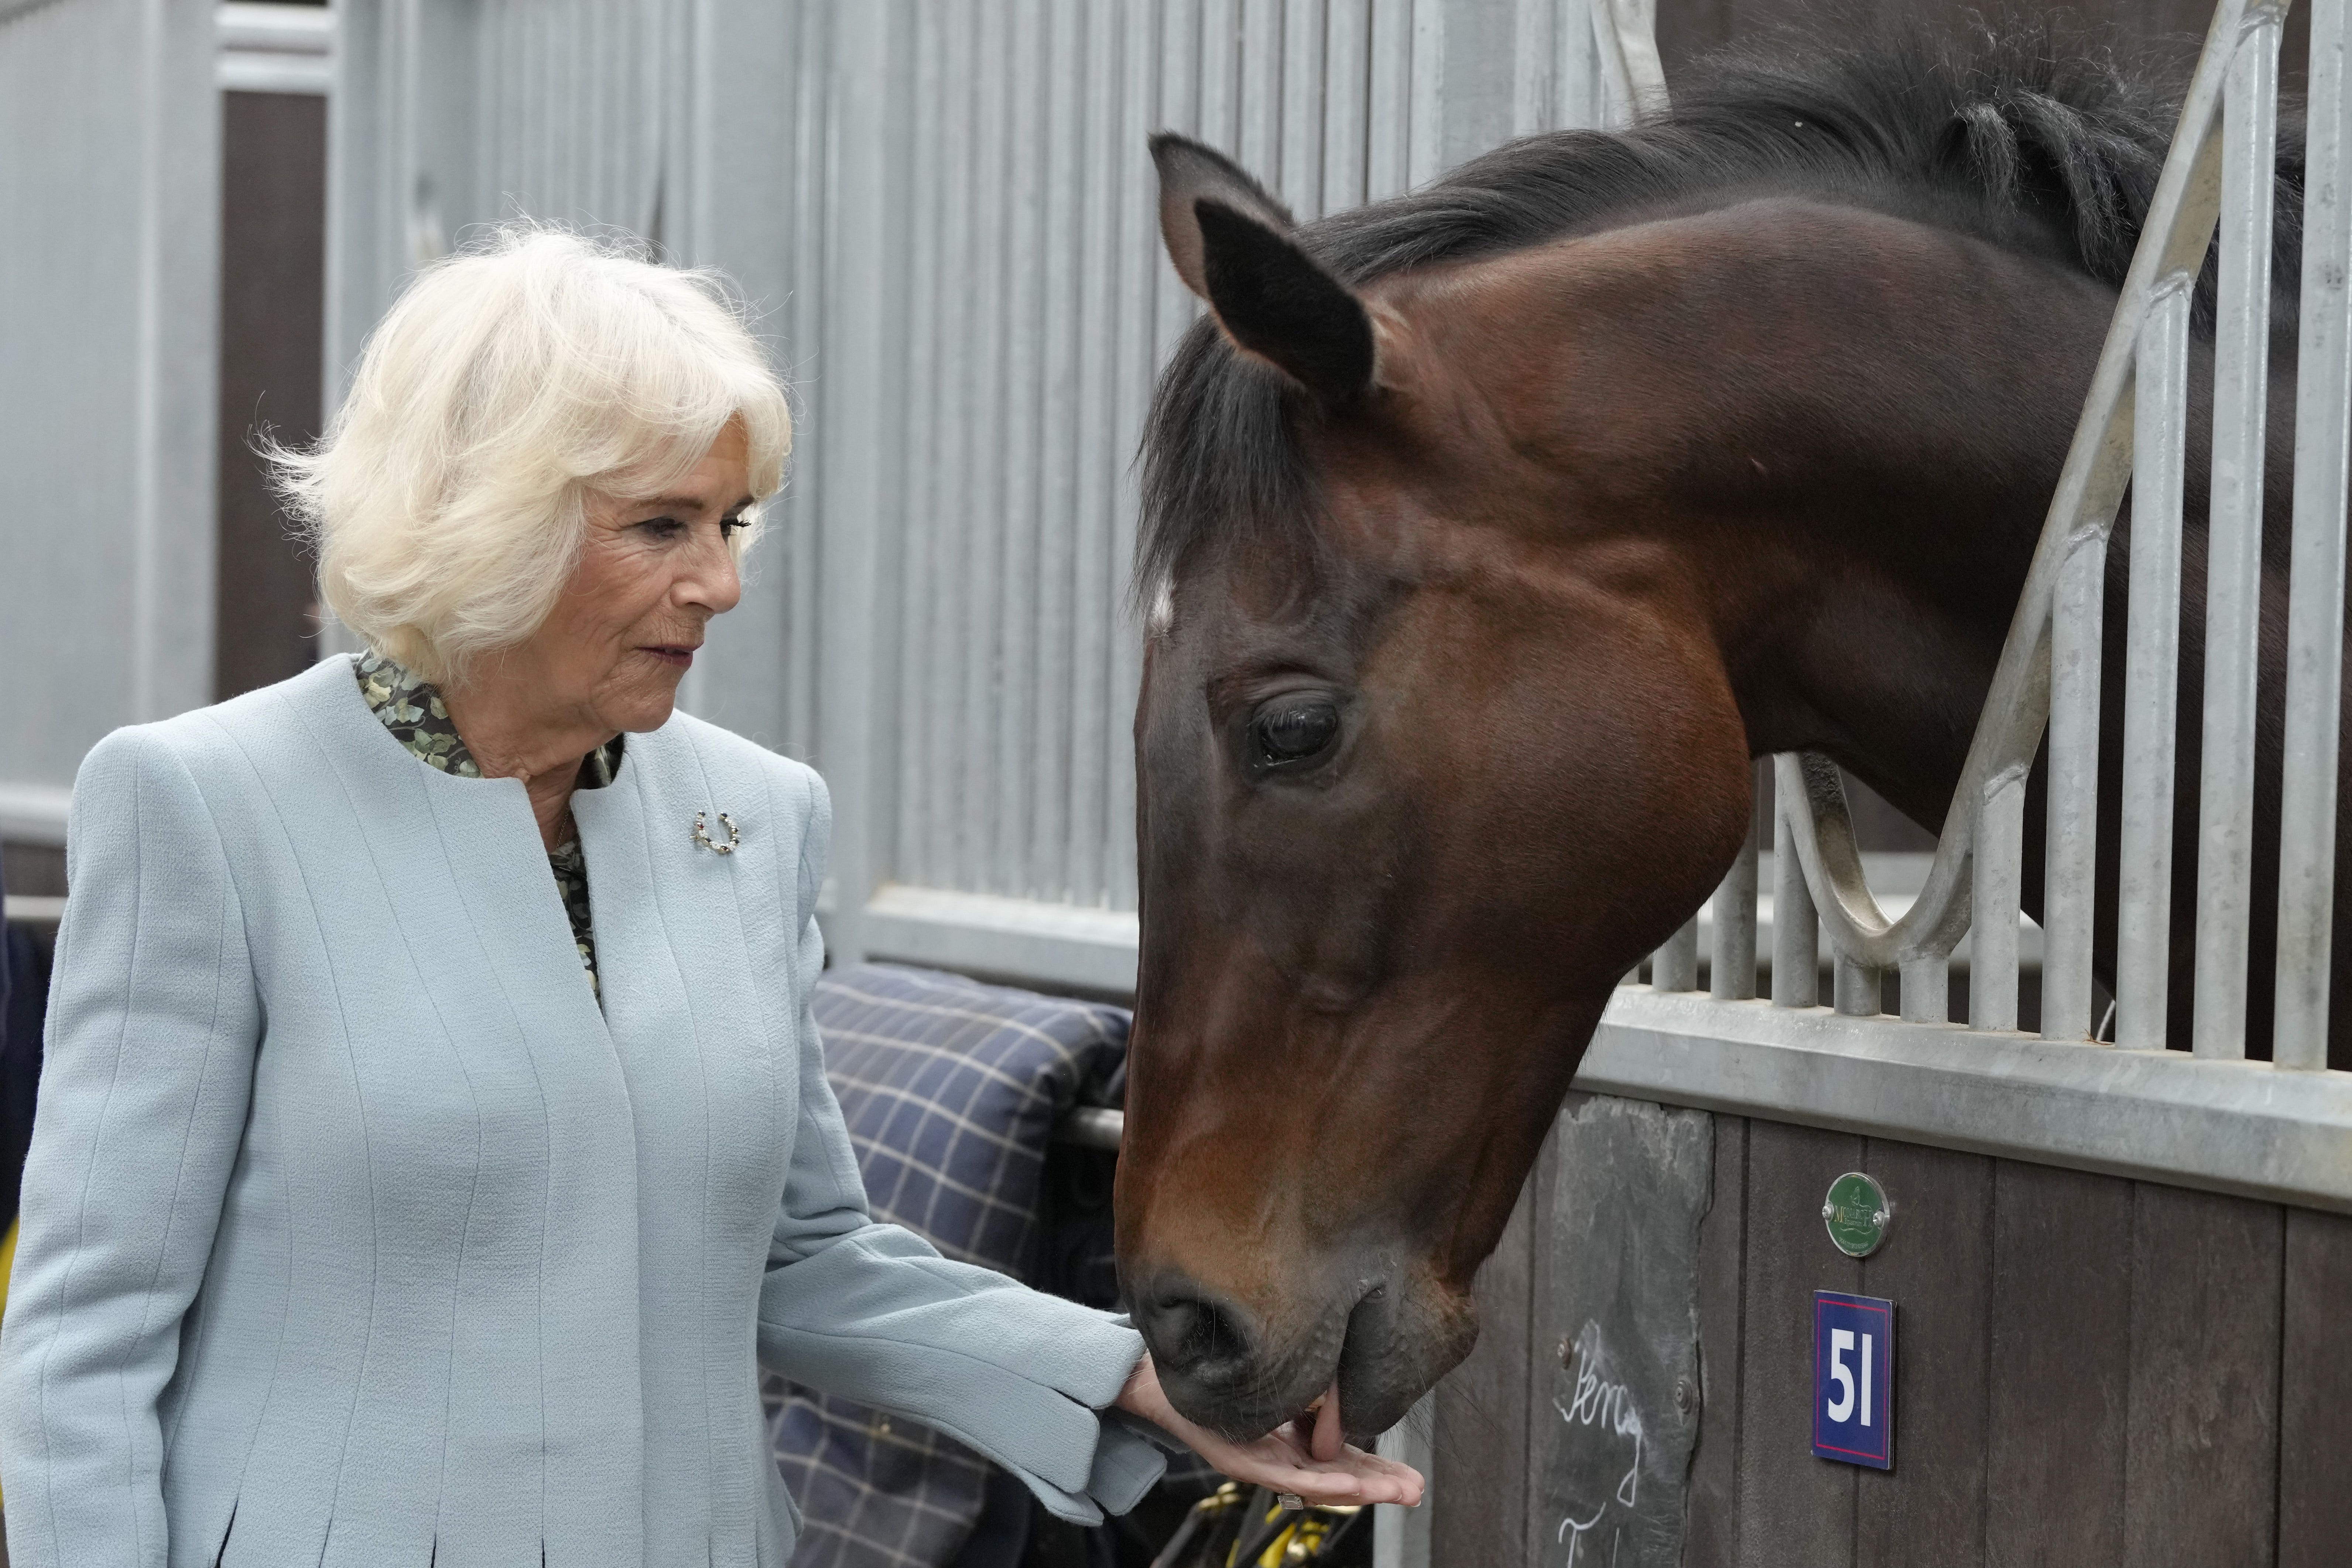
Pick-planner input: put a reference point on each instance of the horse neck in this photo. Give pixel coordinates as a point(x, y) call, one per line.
point(1861, 488)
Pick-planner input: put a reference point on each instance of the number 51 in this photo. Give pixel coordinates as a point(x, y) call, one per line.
point(1842, 1407)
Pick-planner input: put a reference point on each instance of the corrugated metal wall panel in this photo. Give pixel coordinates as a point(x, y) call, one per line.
point(1556, 76)
point(1065, 532)
point(1096, 578)
point(1387, 151)
point(573, 111)
point(108, 299)
point(1347, 103)
point(936, 209)
point(743, 189)
point(1011, 723)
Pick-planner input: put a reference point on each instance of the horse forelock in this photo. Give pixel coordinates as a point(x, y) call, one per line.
point(2029, 138)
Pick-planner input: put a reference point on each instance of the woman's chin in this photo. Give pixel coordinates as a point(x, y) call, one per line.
point(645, 710)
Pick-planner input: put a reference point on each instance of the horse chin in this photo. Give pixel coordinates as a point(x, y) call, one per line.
point(1400, 1342)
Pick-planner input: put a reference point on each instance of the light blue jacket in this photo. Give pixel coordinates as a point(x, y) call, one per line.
point(354, 1234)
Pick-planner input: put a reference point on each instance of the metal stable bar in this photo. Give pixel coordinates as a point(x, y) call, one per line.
point(2315, 627)
point(1926, 988)
point(1091, 1127)
point(1856, 989)
point(1732, 975)
point(2152, 667)
point(1998, 872)
point(34, 910)
point(1674, 966)
point(1796, 930)
point(2229, 1127)
point(2069, 863)
point(2225, 815)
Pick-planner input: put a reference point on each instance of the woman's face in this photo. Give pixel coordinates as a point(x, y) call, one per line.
point(652, 573)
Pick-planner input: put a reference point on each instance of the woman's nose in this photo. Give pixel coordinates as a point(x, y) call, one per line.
point(713, 583)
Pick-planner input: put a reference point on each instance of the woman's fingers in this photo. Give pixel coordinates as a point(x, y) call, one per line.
point(1278, 1463)
point(1353, 1476)
point(1284, 1460)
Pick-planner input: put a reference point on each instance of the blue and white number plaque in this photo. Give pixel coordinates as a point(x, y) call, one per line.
point(1853, 1379)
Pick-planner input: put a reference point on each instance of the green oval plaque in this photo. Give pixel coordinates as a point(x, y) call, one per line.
point(1856, 1212)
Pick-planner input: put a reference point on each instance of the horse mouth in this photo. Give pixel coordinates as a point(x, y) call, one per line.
point(1364, 1367)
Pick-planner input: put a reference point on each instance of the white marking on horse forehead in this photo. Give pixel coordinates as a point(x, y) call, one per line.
point(1162, 618)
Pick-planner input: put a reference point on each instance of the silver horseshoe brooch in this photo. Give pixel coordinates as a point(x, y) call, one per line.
point(703, 836)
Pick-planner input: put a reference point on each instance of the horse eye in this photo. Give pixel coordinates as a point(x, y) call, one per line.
point(1292, 730)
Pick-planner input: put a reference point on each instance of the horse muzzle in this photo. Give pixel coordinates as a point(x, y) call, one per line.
point(1241, 1371)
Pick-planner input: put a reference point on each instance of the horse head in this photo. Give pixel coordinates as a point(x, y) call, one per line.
point(1420, 782)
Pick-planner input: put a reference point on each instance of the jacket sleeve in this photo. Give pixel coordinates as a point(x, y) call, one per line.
point(873, 1313)
point(152, 1026)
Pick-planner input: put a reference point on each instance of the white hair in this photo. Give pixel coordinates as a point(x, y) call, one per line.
point(447, 500)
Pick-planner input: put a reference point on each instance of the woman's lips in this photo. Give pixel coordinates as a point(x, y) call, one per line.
point(671, 653)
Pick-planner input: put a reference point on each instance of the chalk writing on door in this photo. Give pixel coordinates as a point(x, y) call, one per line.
point(1605, 1422)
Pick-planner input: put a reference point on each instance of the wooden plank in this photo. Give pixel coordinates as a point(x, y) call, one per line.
point(1615, 1395)
point(1936, 1265)
point(2060, 1371)
point(1711, 1537)
point(1477, 1497)
point(2315, 1414)
point(2201, 1472)
point(1794, 1507)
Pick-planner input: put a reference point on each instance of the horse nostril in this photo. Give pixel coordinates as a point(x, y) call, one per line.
point(1189, 1331)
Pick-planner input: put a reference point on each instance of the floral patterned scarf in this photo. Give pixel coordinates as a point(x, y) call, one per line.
point(412, 709)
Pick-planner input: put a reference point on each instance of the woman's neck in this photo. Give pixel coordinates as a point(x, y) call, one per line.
point(512, 733)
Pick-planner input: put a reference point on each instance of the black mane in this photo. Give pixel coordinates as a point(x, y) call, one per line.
point(2027, 142)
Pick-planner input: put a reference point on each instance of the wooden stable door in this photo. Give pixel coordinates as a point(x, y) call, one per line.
point(2092, 1370)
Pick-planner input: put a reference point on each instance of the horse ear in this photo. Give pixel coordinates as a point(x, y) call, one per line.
point(1232, 244)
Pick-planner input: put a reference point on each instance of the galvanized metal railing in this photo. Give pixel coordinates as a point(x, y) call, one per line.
point(2286, 1131)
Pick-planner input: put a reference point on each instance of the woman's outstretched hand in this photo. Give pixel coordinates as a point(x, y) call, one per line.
point(1284, 1459)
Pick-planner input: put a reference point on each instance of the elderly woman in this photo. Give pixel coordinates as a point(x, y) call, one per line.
point(435, 1136)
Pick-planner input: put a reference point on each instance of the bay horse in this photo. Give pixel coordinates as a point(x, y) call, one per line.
point(1488, 534)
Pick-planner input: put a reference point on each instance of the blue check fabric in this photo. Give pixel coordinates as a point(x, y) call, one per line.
point(950, 1089)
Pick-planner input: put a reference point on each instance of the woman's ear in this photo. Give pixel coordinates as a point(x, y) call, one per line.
point(1233, 245)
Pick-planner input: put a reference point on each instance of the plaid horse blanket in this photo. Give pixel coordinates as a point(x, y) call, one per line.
point(950, 1089)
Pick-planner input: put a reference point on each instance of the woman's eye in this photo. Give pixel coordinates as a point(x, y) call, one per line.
point(663, 527)
point(1292, 731)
